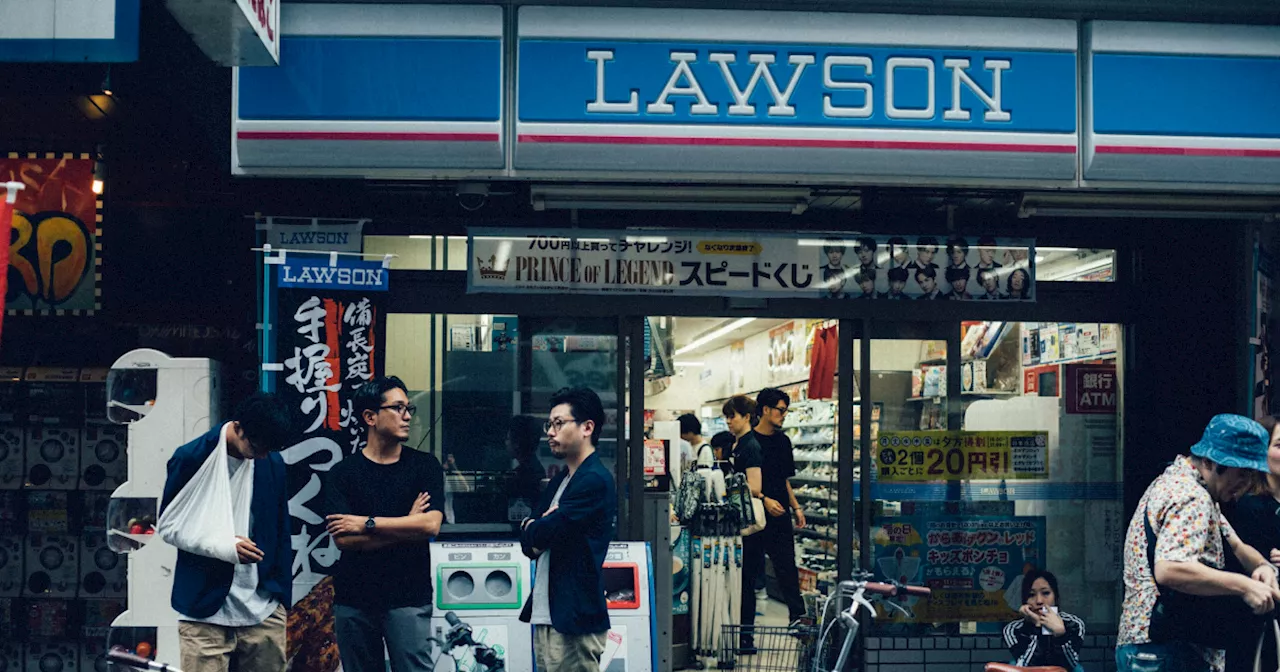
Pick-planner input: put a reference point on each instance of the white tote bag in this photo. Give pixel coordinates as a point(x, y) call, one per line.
point(211, 510)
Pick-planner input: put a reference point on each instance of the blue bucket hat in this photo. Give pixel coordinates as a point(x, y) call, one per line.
point(1234, 441)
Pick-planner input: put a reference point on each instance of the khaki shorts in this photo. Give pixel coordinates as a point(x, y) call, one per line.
point(256, 648)
point(564, 653)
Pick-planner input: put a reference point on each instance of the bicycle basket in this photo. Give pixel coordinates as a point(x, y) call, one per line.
point(762, 648)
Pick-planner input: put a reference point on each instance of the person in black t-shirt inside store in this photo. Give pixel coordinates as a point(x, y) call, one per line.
point(777, 540)
point(385, 504)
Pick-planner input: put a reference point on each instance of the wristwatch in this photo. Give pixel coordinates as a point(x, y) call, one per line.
point(370, 524)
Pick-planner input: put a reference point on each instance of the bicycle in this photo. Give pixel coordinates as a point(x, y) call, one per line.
point(855, 591)
point(459, 634)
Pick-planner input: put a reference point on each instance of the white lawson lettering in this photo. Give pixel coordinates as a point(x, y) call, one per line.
point(829, 108)
point(742, 98)
point(959, 76)
point(323, 275)
point(682, 71)
point(600, 56)
point(683, 81)
point(890, 71)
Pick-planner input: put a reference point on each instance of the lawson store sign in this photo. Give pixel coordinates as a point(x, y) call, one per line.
point(646, 93)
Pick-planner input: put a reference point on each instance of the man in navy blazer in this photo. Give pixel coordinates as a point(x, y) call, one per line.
point(237, 611)
point(568, 537)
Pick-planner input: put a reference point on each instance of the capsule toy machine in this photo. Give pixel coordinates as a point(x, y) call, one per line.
point(165, 402)
point(13, 420)
point(486, 583)
point(103, 445)
point(628, 587)
point(55, 415)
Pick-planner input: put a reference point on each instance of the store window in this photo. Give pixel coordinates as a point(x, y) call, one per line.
point(420, 252)
point(1017, 469)
point(483, 384)
point(1075, 264)
point(715, 359)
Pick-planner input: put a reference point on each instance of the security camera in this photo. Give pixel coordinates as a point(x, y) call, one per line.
point(472, 195)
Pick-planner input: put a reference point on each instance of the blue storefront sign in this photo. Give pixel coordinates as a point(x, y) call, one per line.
point(368, 88)
point(1183, 103)
point(69, 31)
point(774, 92)
point(407, 90)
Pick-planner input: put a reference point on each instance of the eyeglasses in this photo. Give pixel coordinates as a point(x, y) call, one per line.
point(401, 409)
point(555, 426)
point(781, 409)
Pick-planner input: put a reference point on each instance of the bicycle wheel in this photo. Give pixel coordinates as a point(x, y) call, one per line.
point(831, 639)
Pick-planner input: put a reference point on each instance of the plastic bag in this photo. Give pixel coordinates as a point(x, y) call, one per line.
point(211, 509)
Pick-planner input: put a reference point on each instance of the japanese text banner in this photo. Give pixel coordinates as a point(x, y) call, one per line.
point(720, 263)
point(961, 456)
point(329, 342)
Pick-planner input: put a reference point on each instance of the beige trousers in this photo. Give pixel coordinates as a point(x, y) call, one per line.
point(256, 648)
point(562, 653)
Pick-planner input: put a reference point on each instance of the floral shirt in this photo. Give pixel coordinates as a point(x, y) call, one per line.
point(1189, 527)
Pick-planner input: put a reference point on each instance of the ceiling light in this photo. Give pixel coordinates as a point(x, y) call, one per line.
point(106, 82)
point(718, 333)
point(680, 363)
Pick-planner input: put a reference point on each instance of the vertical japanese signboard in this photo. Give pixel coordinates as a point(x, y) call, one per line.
point(974, 565)
point(328, 325)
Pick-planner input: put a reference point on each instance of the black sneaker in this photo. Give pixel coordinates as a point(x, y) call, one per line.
point(747, 646)
point(798, 622)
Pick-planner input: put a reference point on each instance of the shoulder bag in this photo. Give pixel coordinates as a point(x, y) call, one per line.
point(1217, 622)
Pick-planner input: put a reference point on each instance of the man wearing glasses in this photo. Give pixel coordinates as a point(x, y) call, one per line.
point(385, 504)
point(568, 537)
point(778, 538)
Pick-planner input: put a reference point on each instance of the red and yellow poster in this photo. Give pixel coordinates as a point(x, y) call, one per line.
point(55, 227)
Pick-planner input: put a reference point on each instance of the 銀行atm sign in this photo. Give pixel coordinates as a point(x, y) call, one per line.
point(1092, 389)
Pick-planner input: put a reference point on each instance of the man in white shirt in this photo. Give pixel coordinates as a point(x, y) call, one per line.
point(691, 432)
point(233, 615)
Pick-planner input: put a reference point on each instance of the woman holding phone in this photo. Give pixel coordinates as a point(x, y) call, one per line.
point(1045, 636)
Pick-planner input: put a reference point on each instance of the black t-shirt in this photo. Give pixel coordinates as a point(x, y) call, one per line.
point(746, 454)
point(399, 576)
point(779, 464)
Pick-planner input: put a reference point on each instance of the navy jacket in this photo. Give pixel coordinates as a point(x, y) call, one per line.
point(578, 535)
point(200, 584)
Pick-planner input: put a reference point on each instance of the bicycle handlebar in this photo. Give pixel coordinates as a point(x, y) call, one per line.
point(120, 656)
point(891, 590)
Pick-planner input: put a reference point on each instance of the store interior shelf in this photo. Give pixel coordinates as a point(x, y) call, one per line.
point(814, 534)
point(1076, 360)
point(816, 498)
point(986, 394)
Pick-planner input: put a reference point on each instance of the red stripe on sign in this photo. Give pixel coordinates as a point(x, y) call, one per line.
point(799, 142)
point(358, 135)
point(1189, 151)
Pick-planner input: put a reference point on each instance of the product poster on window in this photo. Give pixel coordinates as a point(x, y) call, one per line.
point(974, 565)
point(726, 263)
point(961, 456)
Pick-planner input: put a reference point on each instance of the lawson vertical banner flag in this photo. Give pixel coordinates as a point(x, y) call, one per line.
point(328, 324)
